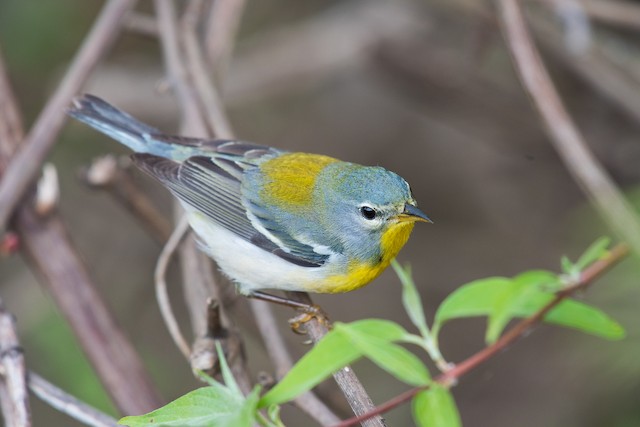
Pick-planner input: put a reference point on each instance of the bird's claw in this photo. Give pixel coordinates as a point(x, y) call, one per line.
point(307, 314)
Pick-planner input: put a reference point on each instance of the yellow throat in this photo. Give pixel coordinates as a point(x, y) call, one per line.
point(361, 273)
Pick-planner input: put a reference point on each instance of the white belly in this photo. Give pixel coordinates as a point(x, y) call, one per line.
point(250, 267)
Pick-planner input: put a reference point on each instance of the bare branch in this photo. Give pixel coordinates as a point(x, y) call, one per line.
point(108, 174)
point(282, 361)
point(161, 286)
point(346, 379)
point(25, 167)
point(595, 66)
point(221, 28)
point(199, 283)
point(50, 252)
point(567, 140)
point(15, 409)
point(624, 14)
point(141, 24)
point(208, 96)
point(68, 404)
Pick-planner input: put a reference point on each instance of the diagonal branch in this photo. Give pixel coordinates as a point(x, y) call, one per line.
point(68, 404)
point(565, 136)
point(49, 250)
point(518, 331)
point(24, 168)
point(13, 385)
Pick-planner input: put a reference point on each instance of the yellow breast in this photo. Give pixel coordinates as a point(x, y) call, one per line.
point(361, 273)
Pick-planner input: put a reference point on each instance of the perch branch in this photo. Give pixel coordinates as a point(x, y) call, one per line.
point(282, 362)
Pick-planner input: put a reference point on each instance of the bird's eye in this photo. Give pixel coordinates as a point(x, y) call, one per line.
point(368, 212)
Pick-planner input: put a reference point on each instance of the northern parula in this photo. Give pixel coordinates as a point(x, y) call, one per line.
point(272, 219)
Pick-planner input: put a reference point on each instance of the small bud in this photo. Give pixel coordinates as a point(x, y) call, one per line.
point(48, 191)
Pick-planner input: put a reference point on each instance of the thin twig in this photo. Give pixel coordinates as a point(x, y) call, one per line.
point(518, 331)
point(49, 250)
point(595, 66)
point(624, 14)
point(107, 173)
point(16, 411)
point(282, 362)
point(177, 74)
point(199, 283)
point(141, 24)
point(565, 136)
point(207, 94)
point(161, 286)
point(220, 33)
point(24, 168)
point(68, 404)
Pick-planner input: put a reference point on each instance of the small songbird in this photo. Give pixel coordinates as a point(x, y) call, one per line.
point(272, 219)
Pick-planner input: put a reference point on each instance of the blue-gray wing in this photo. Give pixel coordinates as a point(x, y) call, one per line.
point(212, 185)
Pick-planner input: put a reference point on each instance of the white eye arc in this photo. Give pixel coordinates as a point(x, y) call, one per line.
point(368, 212)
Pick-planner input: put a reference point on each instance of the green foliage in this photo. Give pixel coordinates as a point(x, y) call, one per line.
point(435, 407)
point(341, 346)
point(500, 299)
point(214, 406)
point(596, 251)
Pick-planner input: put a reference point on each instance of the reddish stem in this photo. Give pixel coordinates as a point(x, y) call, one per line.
point(519, 330)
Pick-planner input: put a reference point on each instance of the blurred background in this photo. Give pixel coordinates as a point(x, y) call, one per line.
point(423, 88)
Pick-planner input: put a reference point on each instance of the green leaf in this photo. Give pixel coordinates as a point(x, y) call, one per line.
point(507, 302)
point(435, 407)
point(476, 298)
point(411, 298)
point(213, 406)
point(522, 296)
point(331, 353)
point(391, 357)
point(227, 376)
point(574, 314)
point(567, 266)
point(273, 412)
point(542, 280)
point(596, 251)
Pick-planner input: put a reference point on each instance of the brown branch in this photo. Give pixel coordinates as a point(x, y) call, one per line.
point(282, 362)
point(207, 95)
point(349, 384)
point(518, 331)
point(50, 253)
point(48, 249)
point(68, 404)
point(161, 286)
point(107, 173)
point(595, 66)
point(199, 283)
point(220, 31)
point(624, 14)
point(15, 405)
point(565, 136)
point(24, 168)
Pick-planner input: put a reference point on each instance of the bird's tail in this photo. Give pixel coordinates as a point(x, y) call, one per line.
point(122, 127)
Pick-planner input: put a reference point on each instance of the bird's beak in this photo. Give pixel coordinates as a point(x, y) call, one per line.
point(411, 213)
